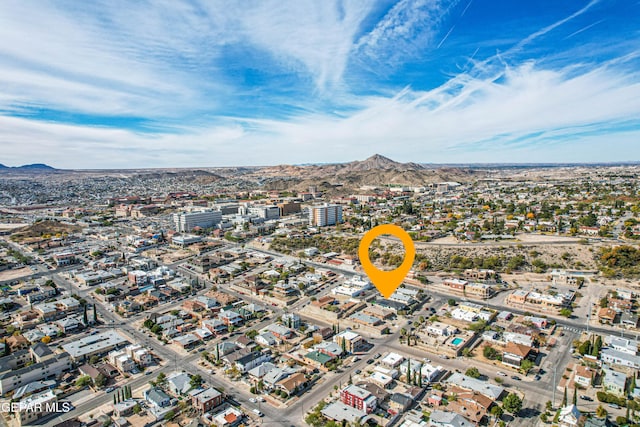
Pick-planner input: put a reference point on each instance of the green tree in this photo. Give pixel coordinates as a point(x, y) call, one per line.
point(564, 398)
point(601, 412)
point(490, 352)
point(451, 302)
point(566, 312)
point(585, 348)
point(496, 411)
point(512, 403)
point(83, 381)
point(169, 415)
point(95, 314)
point(526, 366)
point(196, 381)
point(137, 409)
point(100, 381)
point(575, 395)
point(473, 372)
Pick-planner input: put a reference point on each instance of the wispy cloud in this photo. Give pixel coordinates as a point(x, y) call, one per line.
point(407, 28)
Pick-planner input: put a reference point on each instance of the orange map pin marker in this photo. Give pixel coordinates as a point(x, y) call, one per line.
point(386, 281)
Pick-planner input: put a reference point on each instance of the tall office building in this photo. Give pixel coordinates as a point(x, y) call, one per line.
point(324, 215)
point(187, 221)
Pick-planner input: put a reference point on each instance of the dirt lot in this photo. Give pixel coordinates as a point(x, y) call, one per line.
point(15, 273)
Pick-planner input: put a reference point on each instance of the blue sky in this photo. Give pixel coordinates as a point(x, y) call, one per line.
point(118, 84)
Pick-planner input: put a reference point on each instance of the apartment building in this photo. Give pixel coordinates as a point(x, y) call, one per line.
point(325, 215)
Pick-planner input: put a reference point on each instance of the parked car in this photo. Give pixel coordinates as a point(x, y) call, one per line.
point(257, 412)
point(358, 371)
point(370, 361)
point(587, 398)
point(108, 389)
point(614, 406)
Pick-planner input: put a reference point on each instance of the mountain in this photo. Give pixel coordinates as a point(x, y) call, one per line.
point(379, 162)
point(37, 166)
point(31, 168)
point(376, 170)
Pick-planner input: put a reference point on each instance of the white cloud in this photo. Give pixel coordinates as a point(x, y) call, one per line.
point(507, 116)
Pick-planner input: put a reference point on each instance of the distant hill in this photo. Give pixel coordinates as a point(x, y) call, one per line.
point(31, 168)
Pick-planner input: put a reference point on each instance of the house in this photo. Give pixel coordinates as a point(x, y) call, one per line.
point(514, 354)
point(280, 332)
point(584, 375)
point(339, 412)
point(69, 325)
point(614, 382)
point(392, 360)
point(329, 348)
point(291, 320)
point(316, 358)
point(399, 402)
point(275, 375)
point(251, 360)
point(267, 339)
point(261, 370)
point(179, 383)
point(206, 400)
point(607, 315)
point(470, 404)
point(569, 416)
point(230, 417)
point(441, 329)
point(216, 326)
point(487, 389)
point(358, 398)
point(448, 419)
point(230, 317)
point(292, 383)
point(187, 341)
point(124, 408)
point(157, 398)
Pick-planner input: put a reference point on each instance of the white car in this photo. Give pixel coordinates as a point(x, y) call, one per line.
point(502, 374)
point(260, 399)
point(252, 400)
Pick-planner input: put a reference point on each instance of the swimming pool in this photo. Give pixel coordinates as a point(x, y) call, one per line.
point(457, 341)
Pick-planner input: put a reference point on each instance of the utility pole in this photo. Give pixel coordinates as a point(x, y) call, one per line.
point(555, 370)
point(589, 314)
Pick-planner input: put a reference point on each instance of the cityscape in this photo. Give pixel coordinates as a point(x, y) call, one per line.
point(236, 296)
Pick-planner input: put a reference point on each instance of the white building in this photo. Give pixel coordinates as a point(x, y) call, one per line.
point(187, 221)
point(441, 329)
